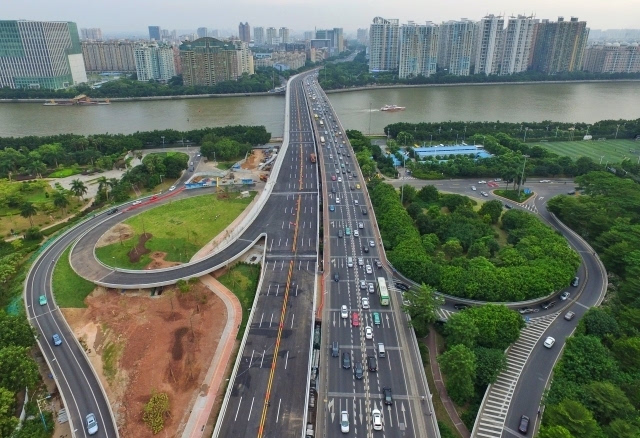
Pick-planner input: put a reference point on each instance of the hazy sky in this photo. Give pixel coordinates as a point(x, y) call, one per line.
point(135, 15)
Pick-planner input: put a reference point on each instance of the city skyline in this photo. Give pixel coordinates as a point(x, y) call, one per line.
point(135, 17)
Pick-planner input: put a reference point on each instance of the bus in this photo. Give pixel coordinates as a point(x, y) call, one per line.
point(383, 291)
point(322, 140)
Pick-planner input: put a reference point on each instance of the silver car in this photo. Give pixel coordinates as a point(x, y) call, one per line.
point(92, 424)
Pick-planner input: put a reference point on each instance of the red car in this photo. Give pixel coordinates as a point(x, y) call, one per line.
point(333, 177)
point(355, 320)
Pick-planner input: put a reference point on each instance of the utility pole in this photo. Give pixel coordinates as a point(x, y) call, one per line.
point(617, 128)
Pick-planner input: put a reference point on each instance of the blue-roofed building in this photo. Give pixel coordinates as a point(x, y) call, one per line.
point(396, 161)
point(446, 150)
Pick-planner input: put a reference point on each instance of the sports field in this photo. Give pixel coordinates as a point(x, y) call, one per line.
point(612, 151)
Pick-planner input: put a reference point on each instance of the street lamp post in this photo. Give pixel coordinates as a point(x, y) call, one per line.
point(617, 127)
point(522, 176)
point(162, 141)
point(525, 134)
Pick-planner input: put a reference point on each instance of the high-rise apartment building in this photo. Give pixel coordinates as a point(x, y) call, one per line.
point(208, 61)
point(283, 34)
point(455, 46)
point(308, 35)
point(154, 61)
point(559, 46)
point(272, 34)
point(244, 31)
point(384, 44)
point(94, 33)
point(612, 58)
point(202, 32)
point(108, 56)
point(40, 54)
point(488, 44)
point(155, 33)
point(363, 36)
point(517, 41)
point(335, 37)
point(418, 50)
point(258, 36)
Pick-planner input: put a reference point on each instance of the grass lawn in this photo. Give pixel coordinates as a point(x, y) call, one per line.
point(242, 280)
point(612, 151)
point(179, 229)
point(69, 288)
point(513, 195)
point(224, 165)
point(63, 173)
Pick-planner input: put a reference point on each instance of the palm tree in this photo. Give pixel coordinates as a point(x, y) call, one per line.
point(60, 201)
point(27, 210)
point(78, 188)
point(102, 184)
point(112, 183)
point(36, 167)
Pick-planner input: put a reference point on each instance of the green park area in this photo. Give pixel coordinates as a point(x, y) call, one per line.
point(613, 151)
point(242, 280)
point(69, 288)
point(179, 229)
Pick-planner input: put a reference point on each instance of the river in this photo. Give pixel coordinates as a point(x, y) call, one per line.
point(568, 102)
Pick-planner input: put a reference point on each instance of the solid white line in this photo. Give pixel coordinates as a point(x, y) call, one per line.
point(238, 410)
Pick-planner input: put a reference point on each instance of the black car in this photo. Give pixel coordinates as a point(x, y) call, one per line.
point(372, 365)
point(112, 211)
point(524, 424)
point(548, 304)
point(364, 211)
point(336, 277)
point(402, 286)
point(365, 248)
point(460, 306)
point(388, 398)
point(508, 206)
point(358, 371)
point(346, 360)
point(335, 350)
point(575, 282)
point(525, 310)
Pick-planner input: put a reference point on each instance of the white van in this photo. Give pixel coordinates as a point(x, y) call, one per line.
point(350, 262)
point(381, 350)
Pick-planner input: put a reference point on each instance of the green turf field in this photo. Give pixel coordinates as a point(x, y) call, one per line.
point(613, 151)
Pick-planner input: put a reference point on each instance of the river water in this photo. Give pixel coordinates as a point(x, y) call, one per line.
point(568, 102)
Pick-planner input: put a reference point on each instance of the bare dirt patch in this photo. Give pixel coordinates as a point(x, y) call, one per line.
point(139, 250)
point(254, 159)
point(158, 261)
point(139, 344)
point(118, 233)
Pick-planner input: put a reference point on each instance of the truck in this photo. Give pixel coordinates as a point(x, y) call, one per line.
point(313, 158)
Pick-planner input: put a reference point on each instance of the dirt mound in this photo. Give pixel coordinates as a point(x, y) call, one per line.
point(254, 159)
point(143, 344)
point(159, 262)
point(139, 250)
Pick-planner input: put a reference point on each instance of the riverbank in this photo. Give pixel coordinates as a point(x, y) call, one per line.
point(152, 98)
point(466, 84)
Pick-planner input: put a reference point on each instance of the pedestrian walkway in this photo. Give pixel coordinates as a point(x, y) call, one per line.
point(407, 177)
point(442, 391)
point(215, 376)
point(495, 406)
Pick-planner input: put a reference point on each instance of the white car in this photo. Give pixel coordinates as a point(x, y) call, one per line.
point(138, 202)
point(360, 261)
point(363, 285)
point(545, 180)
point(360, 225)
point(172, 188)
point(565, 296)
point(372, 243)
point(482, 182)
point(356, 233)
point(371, 288)
point(368, 332)
point(339, 179)
point(377, 419)
point(473, 188)
point(330, 155)
point(365, 302)
point(549, 342)
point(355, 201)
point(368, 269)
point(344, 422)
point(344, 312)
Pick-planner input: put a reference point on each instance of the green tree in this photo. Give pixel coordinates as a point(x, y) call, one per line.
point(155, 411)
point(429, 194)
point(490, 363)
point(17, 369)
point(421, 306)
point(78, 188)
point(620, 428)
point(554, 432)
point(572, 415)
point(60, 201)
point(459, 366)
point(607, 402)
point(452, 248)
point(498, 325)
point(493, 209)
point(409, 194)
point(627, 351)
point(461, 329)
point(15, 331)
point(597, 322)
point(8, 421)
point(585, 360)
point(27, 210)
